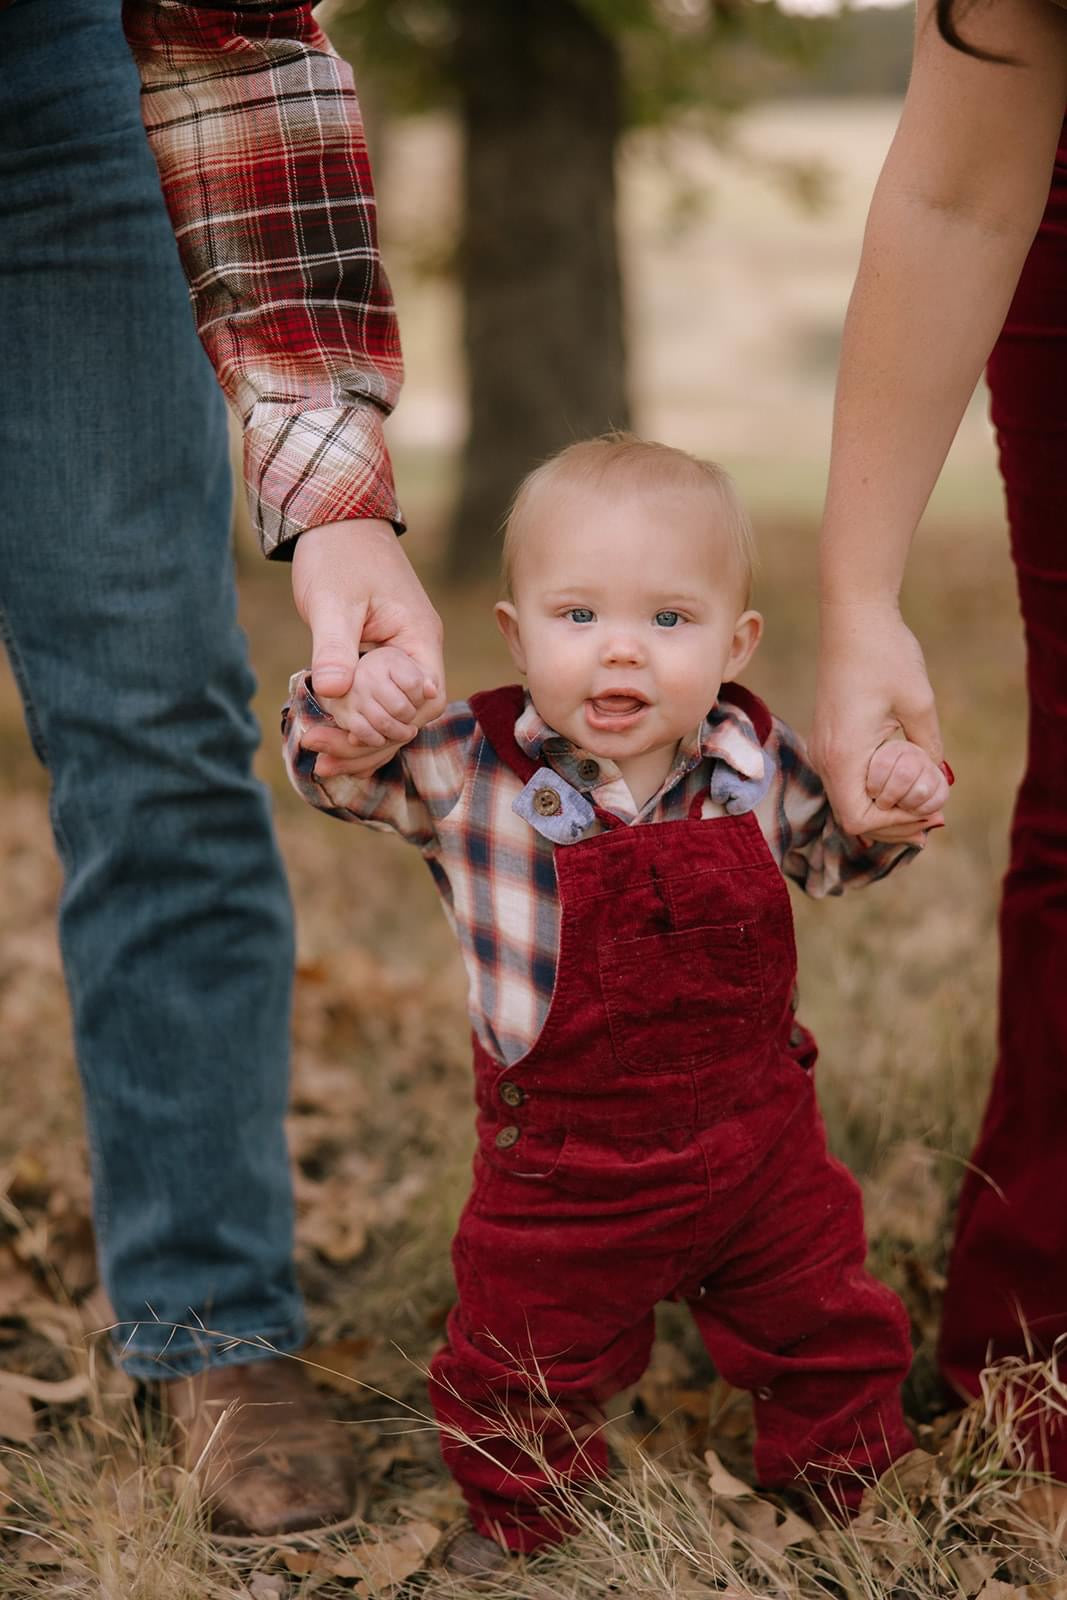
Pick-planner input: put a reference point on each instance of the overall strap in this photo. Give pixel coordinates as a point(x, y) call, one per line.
point(497, 711)
point(736, 695)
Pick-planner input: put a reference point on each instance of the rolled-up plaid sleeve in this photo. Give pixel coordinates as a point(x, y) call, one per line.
point(256, 130)
point(810, 847)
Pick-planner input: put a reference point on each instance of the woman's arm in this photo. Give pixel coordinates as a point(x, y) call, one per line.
point(953, 215)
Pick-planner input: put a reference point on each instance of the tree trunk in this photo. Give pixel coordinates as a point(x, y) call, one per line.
point(539, 268)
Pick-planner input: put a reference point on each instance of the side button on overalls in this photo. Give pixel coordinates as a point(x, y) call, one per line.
point(660, 1139)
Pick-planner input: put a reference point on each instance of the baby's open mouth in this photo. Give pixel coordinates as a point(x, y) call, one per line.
point(617, 705)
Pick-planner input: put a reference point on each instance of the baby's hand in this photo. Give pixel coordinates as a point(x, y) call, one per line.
point(382, 707)
point(376, 718)
point(902, 775)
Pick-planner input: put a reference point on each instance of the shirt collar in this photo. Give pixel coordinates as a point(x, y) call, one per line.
point(726, 734)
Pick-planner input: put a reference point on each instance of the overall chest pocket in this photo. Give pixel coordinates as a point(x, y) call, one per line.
point(675, 1000)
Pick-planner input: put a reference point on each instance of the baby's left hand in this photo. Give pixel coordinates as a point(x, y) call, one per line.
point(390, 697)
point(902, 775)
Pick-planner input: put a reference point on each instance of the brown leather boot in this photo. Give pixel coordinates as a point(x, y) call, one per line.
point(268, 1456)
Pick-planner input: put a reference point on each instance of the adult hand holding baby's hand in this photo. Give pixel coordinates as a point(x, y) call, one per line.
point(381, 713)
point(872, 684)
point(353, 585)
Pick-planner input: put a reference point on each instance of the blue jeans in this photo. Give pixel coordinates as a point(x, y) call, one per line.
point(118, 609)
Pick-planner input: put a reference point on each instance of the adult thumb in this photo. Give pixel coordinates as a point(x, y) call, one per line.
point(335, 636)
point(922, 727)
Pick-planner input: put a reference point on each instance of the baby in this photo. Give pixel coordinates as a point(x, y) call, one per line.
point(610, 844)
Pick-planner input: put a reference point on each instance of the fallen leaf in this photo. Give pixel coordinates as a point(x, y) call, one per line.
point(775, 1528)
point(72, 1253)
point(912, 1478)
point(302, 1563)
point(17, 1420)
point(17, 1285)
point(390, 1449)
point(995, 1590)
point(395, 1559)
point(267, 1586)
point(759, 1521)
point(312, 972)
point(339, 1365)
point(61, 1393)
point(972, 1568)
point(27, 1178)
point(1044, 1505)
point(377, 1567)
point(724, 1483)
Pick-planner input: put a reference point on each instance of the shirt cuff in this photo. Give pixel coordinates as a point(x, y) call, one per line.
point(305, 470)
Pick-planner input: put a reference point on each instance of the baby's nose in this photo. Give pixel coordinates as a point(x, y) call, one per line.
point(620, 647)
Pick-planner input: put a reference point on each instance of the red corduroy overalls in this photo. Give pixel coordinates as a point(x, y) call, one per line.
point(660, 1139)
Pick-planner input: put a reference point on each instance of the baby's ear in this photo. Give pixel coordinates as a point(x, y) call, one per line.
point(507, 620)
point(748, 631)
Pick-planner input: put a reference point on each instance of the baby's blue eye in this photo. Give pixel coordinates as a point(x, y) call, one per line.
point(580, 614)
point(667, 619)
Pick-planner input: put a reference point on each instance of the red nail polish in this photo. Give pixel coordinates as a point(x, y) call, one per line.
point(949, 774)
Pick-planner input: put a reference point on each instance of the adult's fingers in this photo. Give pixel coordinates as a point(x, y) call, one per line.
point(336, 630)
point(866, 819)
point(919, 721)
point(327, 739)
point(356, 764)
point(909, 831)
point(845, 777)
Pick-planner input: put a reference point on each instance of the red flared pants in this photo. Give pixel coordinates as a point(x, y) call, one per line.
point(1008, 1278)
point(660, 1139)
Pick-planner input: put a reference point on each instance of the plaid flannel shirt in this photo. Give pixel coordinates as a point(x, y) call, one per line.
point(256, 131)
point(449, 794)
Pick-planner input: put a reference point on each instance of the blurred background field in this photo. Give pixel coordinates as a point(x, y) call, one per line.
point(734, 296)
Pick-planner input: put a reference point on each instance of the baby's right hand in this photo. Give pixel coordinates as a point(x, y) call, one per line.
point(376, 718)
point(901, 775)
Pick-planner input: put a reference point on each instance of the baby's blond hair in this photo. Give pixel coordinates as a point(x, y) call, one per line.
point(624, 460)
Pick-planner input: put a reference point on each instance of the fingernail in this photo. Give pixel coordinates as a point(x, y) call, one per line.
point(949, 774)
point(866, 843)
point(933, 827)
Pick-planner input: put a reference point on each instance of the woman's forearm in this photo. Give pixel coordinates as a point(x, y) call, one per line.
point(953, 216)
point(929, 300)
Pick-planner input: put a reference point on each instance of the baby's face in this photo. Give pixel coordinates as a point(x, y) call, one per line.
point(627, 616)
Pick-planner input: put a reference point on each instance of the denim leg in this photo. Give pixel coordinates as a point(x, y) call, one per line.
point(118, 607)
